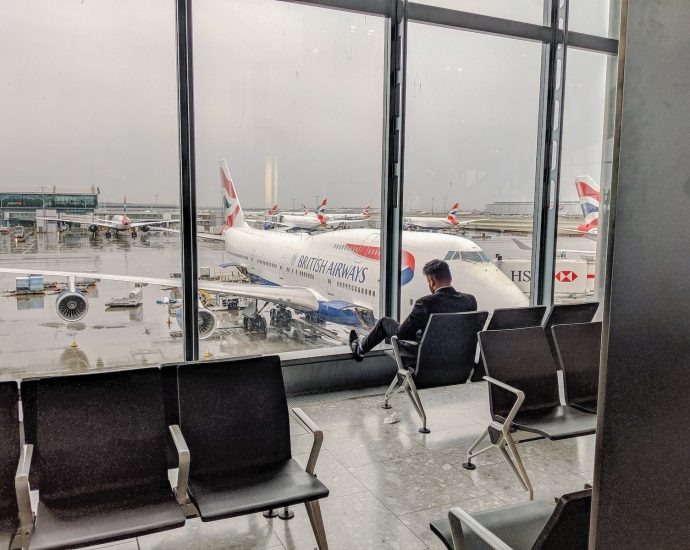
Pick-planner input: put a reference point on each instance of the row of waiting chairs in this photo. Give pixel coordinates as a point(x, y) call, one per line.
point(99, 448)
point(447, 351)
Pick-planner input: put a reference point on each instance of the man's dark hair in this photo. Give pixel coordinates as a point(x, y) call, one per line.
point(438, 270)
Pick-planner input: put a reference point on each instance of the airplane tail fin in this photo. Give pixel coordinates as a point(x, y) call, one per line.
point(367, 211)
point(321, 210)
point(454, 211)
point(588, 191)
point(322, 219)
point(234, 217)
point(273, 210)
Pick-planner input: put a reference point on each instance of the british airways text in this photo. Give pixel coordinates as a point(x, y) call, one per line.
point(354, 273)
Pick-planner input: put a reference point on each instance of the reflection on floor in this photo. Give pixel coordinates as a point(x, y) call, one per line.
point(388, 481)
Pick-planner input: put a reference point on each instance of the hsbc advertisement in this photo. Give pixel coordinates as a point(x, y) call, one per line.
point(571, 275)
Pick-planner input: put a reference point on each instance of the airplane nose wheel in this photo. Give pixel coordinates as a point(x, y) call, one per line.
point(134, 234)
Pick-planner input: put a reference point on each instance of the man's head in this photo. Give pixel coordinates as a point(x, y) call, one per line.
point(437, 274)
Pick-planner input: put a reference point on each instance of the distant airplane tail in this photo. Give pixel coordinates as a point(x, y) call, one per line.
point(366, 212)
point(454, 211)
point(588, 191)
point(273, 210)
point(234, 217)
point(321, 210)
point(322, 219)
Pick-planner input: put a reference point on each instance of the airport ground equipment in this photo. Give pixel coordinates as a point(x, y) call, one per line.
point(234, 417)
point(99, 446)
point(579, 347)
point(534, 525)
point(524, 397)
point(9, 459)
point(567, 314)
point(444, 356)
point(506, 318)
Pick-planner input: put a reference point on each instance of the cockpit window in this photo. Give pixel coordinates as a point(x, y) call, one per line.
point(449, 256)
point(478, 257)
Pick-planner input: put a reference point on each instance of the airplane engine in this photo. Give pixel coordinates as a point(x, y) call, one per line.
point(71, 305)
point(207, 322)
point(93, 228)
point(145, 228)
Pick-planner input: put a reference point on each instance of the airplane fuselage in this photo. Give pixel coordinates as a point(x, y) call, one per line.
point(343, 267)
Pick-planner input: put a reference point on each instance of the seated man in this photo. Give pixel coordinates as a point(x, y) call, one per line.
point(443, 299)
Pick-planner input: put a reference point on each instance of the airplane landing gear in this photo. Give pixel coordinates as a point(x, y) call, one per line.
point(255, 323)
point(281, 317)
point(134, 234)
point(108, 234)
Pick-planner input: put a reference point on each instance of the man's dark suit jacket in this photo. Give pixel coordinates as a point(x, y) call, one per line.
point(444, 300)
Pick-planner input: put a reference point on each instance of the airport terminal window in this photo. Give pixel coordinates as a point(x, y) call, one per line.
point(598, 17)
point(587, 138)
point(471, 139)
point(290, 97)
point(89, 103)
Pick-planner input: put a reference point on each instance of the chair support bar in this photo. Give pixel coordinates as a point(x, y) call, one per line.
point(183, 458)
point(485, 534)
point(310, 425)
point(21, 486)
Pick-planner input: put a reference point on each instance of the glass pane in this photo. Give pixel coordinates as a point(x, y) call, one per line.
point(88, 168)
point(528, 11)
point(471, 138)
point(583, 170)
point(598, 17)
point(290, 97)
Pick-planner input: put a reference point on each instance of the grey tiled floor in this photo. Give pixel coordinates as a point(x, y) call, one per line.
point(387, 481)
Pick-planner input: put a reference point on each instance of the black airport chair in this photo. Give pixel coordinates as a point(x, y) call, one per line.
point(523, 396)
point(235, 420)
point(516, 317)
point(534, 525)
point(578, 347)
point(444, 356)
point(507, 318)
point(567, 314)
point(9, 459)
point(100, 454)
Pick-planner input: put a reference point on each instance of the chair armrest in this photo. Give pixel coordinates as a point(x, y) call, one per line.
point(457, 514)
point(520, 398)
point(183, 462)
point(310, 425)
point(21, 487)
point(395, 342)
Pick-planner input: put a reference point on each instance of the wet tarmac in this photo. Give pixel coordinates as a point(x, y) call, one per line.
point(34, 340)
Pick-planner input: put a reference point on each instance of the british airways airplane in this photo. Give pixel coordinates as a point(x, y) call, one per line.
point(330, 276)
point(450, 222)
point(589, 192)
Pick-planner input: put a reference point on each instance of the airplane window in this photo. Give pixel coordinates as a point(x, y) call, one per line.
point(456, 256)
point(477, 257)
point(449, 255)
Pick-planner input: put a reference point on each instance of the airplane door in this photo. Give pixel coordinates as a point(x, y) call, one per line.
point(281, 268)
point(330, 287)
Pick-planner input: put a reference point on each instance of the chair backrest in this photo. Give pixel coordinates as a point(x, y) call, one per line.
point(578, 347)
point(233, 414)
point(568, 526)
point(516, 317)
point(447, 348)
point(566, 314)
point(521, 358)
point(98, 433)
point(9, 447)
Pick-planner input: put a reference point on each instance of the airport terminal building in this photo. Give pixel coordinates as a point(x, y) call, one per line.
point(18, 206)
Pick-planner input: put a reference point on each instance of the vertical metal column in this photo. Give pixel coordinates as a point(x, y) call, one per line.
point(545, 217)
point(185, 99)
point(393, 158)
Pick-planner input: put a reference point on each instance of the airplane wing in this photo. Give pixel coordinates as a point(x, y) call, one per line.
point(524, 246)
point(301, 298)
point(469, 222)
point(67, 219)
point(106, 223)
point(141, 223)
point(207, 236)
point(591, 234)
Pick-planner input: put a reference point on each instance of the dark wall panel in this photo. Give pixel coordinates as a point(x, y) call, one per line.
point(642, 475)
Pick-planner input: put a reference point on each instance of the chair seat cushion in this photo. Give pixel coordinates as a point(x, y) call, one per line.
point(558, 422)
point(518, 525)
point(254, 490)
point(82, 521)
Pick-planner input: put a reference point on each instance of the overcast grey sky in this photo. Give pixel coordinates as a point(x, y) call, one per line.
point(88, 93)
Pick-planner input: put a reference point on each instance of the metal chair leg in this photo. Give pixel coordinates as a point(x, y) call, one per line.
point(411, 390)
point(520, 465)
point(509, 461)
point(468, 465)
point(390, 392)
point(316, 520)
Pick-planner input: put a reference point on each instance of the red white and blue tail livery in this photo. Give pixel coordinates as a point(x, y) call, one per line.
point(589, 193)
